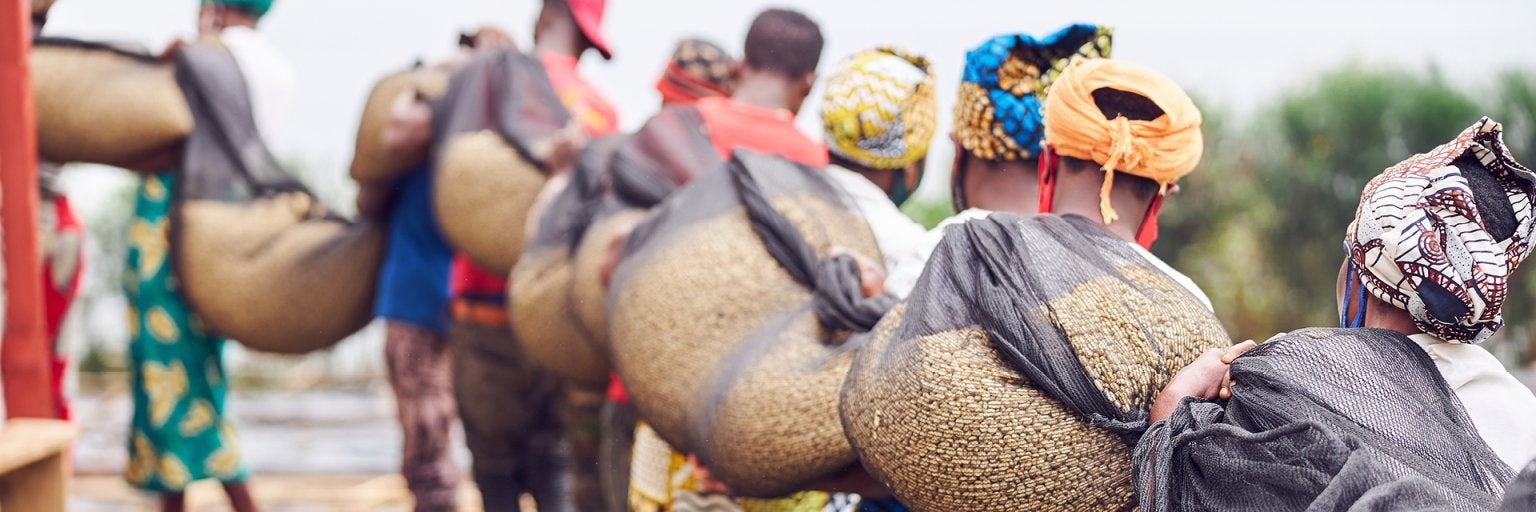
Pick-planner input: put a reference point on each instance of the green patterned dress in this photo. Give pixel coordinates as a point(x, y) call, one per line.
point(179, 433)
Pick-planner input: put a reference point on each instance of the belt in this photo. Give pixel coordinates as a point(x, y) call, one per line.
point(481, 313)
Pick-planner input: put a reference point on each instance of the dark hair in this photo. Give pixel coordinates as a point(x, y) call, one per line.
point(1488, 194)
point(784, 42)
point(1135, 107)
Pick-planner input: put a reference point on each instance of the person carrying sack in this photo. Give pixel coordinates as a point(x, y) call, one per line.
point(505, 462)
point(180, 431)
point(1042, 338)
point(1421, 416)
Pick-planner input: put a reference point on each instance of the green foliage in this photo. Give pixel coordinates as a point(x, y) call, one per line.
point(928, 210)
point(1260, 225)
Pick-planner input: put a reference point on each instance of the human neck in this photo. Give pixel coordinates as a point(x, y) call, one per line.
point(560, 41)
point(767, 90)
point(1003, 185)
point(1380, 315)
point(1077, 193)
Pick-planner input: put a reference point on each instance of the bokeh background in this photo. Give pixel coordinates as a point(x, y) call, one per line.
point(1303, 100)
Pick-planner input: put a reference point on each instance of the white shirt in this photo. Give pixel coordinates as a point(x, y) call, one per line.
point(902, 279)
point(1502, 409)
point(905, 277)
point(895, 233)
point(269, 77)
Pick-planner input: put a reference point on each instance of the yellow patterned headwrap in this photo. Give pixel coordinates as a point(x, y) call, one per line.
point(879, 109)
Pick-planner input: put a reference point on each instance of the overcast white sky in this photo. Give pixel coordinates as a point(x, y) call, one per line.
point(1229, 53)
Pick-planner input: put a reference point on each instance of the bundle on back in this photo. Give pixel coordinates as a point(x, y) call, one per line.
point(260, 260)
point(726, 320)
point(1323, 419)
point(496, 130)
point(1022, 368)
point(558, 305)
point(371, 163)
point(105, 105)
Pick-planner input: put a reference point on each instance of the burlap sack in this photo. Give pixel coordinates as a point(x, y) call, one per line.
point(719, 345)
point(939, 414)
point(258, 258)
point(589, 298)
point(558, 302)
point(496, 129)
point(539, 291)
point(104, 105)
point(481, 194)
point(370, 162)
point(275, 274)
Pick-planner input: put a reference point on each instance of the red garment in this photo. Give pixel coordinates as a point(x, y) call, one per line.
point(586, 105)
point(63, 260)
point(735, 125)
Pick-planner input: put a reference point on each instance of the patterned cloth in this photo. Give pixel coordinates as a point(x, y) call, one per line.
point(878, 109)
point(418, 366)
point(998, 115)
point(179, 433)
point(698, 69)
point(665, 480)
point(1424, 245)
point(1163, 149)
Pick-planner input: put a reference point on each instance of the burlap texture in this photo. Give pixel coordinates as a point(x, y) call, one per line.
point(104, 106)
point(370, 162)
point(482, 194)
point(539, 304)
point(946, 422)
point(719, 349)
point(589, 298)
point(273, 274)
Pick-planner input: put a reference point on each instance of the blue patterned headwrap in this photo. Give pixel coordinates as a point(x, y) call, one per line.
point(1004, 83)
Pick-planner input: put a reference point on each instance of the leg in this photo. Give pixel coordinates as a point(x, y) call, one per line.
point(580, 416)
point(419, 369)
point(485, 386)
point(240, 497)
point(173, 502)
point(617, 443)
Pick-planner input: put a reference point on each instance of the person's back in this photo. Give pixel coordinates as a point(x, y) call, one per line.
point(998, 128)
point(1428, 260)
point(778, 69)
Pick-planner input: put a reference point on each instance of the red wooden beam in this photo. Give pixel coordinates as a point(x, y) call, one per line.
point(24, 358)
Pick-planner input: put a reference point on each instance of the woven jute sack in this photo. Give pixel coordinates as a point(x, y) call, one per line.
point(277, 274)
point(539, 303)
point(589, 298)
point(482, 193)
point(938, 415)
point(717, 343)
point(370, 162)
point(540, 290)
point(103, 105)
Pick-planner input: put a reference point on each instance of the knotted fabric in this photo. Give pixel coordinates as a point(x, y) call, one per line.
point(838, 301)
point(1004, 85)
point(1422, 239)
point(1163, 149)
point(879, 109)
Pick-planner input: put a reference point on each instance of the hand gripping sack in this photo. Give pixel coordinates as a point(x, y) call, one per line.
point(1323, 419)
point(105, 105)
point(1022, 368)
point(259, 259)
point(371, 164)
point(496, 130)
point(558, 304)
point(726, 322)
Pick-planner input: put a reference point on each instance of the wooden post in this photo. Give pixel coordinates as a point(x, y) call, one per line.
point(24, 358)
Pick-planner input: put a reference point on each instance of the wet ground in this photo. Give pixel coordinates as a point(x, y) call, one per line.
point(313, 450)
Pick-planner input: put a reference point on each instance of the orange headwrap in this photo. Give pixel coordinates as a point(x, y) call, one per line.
point(1163, 149)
